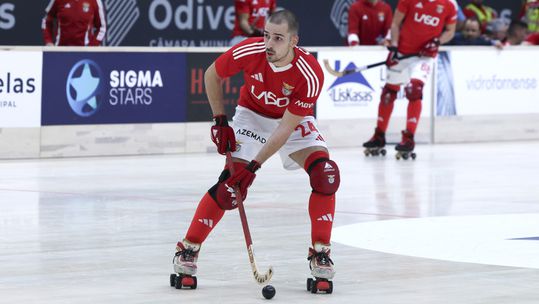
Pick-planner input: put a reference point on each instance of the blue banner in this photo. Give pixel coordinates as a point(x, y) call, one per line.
point(110, 88)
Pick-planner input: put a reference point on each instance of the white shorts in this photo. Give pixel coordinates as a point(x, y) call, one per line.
point(253, 131)
point(413, 67)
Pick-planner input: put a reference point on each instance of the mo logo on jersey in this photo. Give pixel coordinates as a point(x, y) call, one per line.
point(352, 89)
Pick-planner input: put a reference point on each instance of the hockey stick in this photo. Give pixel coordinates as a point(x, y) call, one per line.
point(259, 278)
point(335, 73)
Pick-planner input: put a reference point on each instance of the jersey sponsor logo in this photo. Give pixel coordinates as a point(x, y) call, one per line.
point(427, 19)
point(305, 105)
point(258, 76)
point(251, 134)
point(350, 90)
point(270, 98)
point(7, 16)
point(287, 89)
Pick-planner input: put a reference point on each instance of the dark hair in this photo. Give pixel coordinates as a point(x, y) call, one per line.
point(516, 25)
point(288, 17)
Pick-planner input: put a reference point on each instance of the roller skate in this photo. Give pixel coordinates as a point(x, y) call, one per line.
point(405, 149)
point(375, 145)
point(185, 266)
point(321, 269)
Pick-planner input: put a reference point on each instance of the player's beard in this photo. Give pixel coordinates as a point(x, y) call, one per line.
point(271, 55)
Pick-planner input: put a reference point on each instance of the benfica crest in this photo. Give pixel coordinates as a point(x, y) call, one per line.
point(85, 7)
point(439, 8)
point(287, 89)
point(381, 17)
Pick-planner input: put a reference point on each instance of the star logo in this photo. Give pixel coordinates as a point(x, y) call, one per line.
point(83, 87)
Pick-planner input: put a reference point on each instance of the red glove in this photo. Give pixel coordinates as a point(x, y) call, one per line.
point(430, 49)
point(392, 57)
point(244, 177)
point(223, 135)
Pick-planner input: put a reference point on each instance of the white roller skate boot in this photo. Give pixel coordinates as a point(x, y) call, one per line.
point(321, 269)
point(185, 266)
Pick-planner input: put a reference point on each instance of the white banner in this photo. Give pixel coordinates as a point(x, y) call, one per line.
point(20, 89)
point(495, 82)
point(358, 95)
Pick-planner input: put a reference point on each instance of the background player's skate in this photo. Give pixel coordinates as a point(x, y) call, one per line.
point(405, 149)
point(321, 269)
point(185, 266)
point(375, 145)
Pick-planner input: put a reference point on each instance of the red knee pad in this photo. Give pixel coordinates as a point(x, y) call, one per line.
point(222, 193)
point(414, 90)
point(324, 176)
point(389, 93)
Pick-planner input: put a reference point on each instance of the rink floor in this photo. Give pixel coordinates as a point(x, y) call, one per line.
point(460, 224)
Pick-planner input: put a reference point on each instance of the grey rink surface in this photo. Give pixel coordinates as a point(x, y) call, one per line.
point(103, 230)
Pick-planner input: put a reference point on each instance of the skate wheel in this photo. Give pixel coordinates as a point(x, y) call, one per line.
point(366, 152)
point(172, 280)
point(178, 282)
point(405, 156)
point(413, 156)
point(330, 289)
point(322, 285)
point(383, 152)
point(309, 284)
point(188, 281)
point(398, 156)
point(313, 287)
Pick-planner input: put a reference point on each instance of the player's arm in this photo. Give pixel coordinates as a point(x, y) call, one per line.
point(398, 18)
point(448, 33)
point(214, 90)
point(243, 20)
point(47, 23)
point(278, 138)
point(353, 26)
point(100, 24)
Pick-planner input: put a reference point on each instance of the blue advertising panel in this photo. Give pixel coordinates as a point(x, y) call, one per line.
point(110, 88)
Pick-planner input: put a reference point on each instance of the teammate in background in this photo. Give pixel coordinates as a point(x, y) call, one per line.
point(483, 13)
point(419, 27)
point(369, 22)
point(530, 14)
point(517, 33)
point(532, 39)
point(274, 114)
point(74, 23)
point(251, 15)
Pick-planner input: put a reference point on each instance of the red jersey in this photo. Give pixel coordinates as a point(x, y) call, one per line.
point(369, 22)
point(270, 90)
point(424, 20)
point(533, 39)
point(258, 11)
point(76, 21)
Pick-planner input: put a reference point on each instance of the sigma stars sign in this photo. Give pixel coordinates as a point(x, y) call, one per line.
point(97, 88)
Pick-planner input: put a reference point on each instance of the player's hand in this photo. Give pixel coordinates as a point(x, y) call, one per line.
point(244, 177)
point(392, 57)
point(223, 135)
point(257, 32)
point(430, 49)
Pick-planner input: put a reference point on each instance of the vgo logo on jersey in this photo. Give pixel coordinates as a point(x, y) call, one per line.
point(427, 19)
point(270, 98)
point(350, 90)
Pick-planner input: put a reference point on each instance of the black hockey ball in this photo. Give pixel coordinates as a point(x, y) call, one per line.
point(268, 291)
